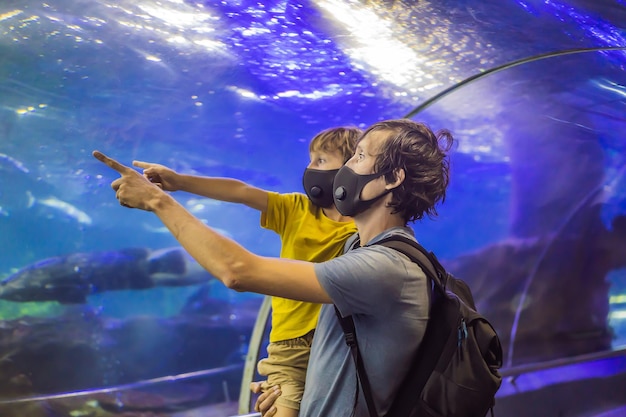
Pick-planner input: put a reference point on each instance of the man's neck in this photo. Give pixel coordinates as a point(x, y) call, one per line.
point(376, 220)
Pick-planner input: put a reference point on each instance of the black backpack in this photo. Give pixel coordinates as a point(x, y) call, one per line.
point(455, 371)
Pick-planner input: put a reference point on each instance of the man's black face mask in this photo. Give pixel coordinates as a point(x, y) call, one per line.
point(348, 186)
point(318, 185)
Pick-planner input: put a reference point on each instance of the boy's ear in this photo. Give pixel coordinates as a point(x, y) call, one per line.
point(399, 175)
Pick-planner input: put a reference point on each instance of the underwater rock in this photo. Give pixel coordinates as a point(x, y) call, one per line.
point(54, 355)
point(202, 303)
point(549, 296)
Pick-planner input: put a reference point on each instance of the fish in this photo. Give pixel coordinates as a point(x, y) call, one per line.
point(23, 191)
point(66, 208)
point(70, 279)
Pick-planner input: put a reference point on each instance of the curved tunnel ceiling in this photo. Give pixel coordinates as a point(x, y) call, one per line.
point(299, 51)
point(346, 61)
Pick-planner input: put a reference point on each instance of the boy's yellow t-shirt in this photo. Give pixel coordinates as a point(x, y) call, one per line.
point(307, 235)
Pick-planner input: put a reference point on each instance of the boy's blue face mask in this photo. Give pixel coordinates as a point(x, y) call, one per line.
point(318, 185)
point(348, 186)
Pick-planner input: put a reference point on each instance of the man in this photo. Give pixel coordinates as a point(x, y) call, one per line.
point(398, 174)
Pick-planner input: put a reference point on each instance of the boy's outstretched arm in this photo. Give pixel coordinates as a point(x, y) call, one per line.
point(225, 259)
point(217, 188)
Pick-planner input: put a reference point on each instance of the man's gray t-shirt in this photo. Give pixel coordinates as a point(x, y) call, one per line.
point(388, 298)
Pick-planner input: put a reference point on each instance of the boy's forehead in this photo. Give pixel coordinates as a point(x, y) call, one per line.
point(325, 151)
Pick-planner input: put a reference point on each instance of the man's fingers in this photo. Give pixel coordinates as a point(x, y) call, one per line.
point(265, 401)
point(116, 185)
point(112, 163)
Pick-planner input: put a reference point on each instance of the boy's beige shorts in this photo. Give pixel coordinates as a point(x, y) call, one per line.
point(286, 365)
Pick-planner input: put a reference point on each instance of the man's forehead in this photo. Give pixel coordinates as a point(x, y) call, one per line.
point(373, 140)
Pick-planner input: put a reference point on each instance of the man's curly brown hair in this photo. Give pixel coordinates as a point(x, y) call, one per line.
point(423, 155)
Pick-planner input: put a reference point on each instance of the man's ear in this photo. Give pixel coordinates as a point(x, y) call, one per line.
point(399, 175)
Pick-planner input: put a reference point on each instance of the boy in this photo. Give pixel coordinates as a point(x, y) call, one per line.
point(311, 229)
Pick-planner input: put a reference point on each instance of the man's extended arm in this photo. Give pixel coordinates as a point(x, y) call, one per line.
point(228, 261)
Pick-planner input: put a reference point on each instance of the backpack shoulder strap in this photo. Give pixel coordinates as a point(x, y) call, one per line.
point(418, 254)
point(347, 324)
point(431, 266)
point(353, 242)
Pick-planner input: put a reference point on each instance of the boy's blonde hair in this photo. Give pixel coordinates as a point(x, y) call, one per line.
point(342, 139)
